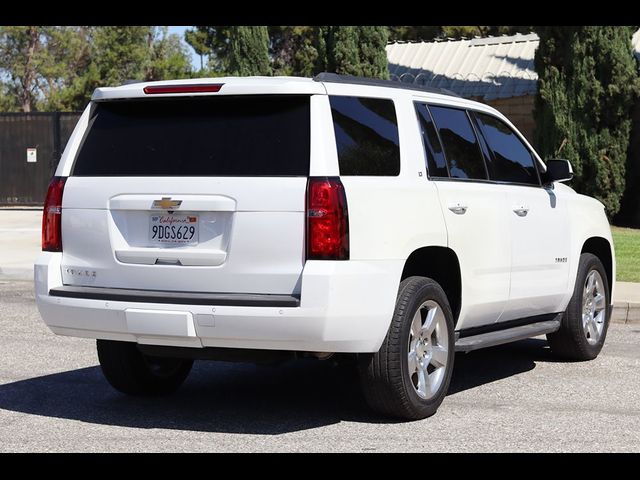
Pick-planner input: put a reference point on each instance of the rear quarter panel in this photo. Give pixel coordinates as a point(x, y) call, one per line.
point(390, 217)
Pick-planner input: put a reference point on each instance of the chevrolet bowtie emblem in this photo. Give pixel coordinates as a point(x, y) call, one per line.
point(165, 203)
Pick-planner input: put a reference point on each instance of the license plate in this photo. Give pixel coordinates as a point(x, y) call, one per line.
point(179, 229)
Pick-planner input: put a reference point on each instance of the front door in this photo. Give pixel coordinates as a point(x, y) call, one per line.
point(538, 222)
point(539, 252)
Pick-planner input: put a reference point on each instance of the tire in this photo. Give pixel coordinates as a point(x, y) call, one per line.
point(388, 386)
point(576, 340)
point(131, 372)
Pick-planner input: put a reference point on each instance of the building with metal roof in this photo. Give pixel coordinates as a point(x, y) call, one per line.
point(487, 68)
point(495, 70)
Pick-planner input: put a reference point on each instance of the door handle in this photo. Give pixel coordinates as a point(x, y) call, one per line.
point(458, 208)
point(521, 210)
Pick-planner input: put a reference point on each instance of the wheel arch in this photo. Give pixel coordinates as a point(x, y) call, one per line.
point(601, 248)
point(442, 265)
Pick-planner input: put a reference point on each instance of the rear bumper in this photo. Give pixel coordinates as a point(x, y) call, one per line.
point(176, 298)
point(343, 307)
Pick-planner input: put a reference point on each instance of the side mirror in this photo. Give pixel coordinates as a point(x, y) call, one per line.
point(557, 171)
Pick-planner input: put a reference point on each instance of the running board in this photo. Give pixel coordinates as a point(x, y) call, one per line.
point(467, 344)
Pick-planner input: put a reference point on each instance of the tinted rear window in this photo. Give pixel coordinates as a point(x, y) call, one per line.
point(223, 136)
point(436, 163)
point(460, 144)
point(366, 132)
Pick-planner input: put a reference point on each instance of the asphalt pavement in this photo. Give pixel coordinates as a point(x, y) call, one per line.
point(513, 398)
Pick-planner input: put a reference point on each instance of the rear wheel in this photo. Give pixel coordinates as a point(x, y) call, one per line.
point(586, 320)
point(130, 371)
point(409, 376)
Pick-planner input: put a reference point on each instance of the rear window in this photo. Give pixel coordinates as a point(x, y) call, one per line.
point(366, 132)
point(436, 163)
point(204, 136)
point(461, 147)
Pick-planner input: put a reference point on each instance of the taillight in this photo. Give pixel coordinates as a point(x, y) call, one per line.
point(52, 216)
point(327, 220)
point(201, 88)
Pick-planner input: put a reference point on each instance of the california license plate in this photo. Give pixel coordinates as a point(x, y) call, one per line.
point(168, 230)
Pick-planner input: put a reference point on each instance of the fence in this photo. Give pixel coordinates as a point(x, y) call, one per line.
point(30, 148)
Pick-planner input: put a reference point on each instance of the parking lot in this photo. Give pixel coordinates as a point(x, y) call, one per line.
point(511, 398)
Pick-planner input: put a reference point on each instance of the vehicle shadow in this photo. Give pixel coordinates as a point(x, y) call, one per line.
point(492, 364)
point(243, 398)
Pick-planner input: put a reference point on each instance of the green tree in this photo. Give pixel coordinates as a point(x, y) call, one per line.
point(111, 56)
point(587, 85)
point(8, 102)
point(429, 33)
point(372, 42)
point(121, 53)
point(66, 72)
point(57, 68)
point(414, 33)
point(169, 57)
point(352, 50)
point(40, 64)
point(249, 51)
point(213, 41)
point(198, 41)
point(338, 50)
point(292, 50)
point(20, 51)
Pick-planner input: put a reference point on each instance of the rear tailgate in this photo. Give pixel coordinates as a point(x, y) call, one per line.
point(189, 194)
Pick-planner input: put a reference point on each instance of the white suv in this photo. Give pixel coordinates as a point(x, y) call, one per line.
point(261, 218)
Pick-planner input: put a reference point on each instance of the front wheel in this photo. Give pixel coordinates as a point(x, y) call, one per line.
point(585, 322)
point(129, 371)
point(409, 376)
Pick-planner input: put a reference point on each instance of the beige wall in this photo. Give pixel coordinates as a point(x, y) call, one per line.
point(517, 109)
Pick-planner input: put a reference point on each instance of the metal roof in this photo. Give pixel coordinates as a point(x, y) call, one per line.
point(492, 67)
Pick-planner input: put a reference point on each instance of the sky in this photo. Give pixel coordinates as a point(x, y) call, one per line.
point(195, 58)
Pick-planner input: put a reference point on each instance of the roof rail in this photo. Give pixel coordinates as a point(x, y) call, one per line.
point(377, 82)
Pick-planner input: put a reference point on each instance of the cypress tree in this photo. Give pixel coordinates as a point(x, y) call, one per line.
point(587, 85)
point(249, 51)
point(353, 50)
point(343, 50)
point(373, 55)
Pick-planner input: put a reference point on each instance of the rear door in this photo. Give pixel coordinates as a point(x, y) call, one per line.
point(538, 222)
point(474, 212)
point(201, 194)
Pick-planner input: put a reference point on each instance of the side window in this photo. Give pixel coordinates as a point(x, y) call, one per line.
point(436, 163)
point(366, 132)
point(460, 143)
point(512, 161)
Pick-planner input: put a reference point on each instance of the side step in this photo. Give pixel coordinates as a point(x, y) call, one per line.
point(508, 335)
